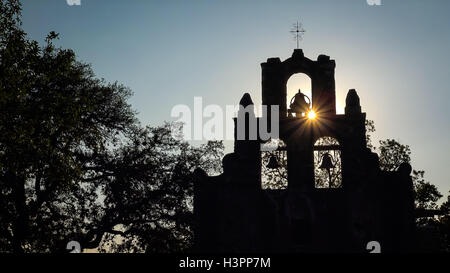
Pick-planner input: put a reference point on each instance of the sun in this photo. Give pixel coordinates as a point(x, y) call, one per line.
point(312, 115)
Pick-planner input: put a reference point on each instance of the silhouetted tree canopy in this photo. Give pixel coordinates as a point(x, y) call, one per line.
point(426, 195)
point(75, 164)
point(392, 154)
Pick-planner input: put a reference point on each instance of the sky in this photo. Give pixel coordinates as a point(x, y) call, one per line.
point(168, 52)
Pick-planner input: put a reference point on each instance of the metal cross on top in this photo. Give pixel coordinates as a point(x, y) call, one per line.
point(298, 31)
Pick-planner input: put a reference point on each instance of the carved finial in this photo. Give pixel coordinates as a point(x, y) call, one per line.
point(352, 105)
point(246, 100)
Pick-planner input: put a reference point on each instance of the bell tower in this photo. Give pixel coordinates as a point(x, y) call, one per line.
point(275, 75)
point(337, 198)
point(300, 133)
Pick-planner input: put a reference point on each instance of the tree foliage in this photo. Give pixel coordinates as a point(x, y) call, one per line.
point(370, 128)
point(392, 153)
point(75, 164)
point(426, 195)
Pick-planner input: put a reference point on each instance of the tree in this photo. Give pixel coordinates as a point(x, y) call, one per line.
point(426, 195)
point(443, 224)
point(370, 128)
point(75, 164)
point(149, 198)
point(392, 154)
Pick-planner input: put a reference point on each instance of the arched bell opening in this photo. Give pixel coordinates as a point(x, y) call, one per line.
point(299, 95)
point(327, 163)
point(274, 175)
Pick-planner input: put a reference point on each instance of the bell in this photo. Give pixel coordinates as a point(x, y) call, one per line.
point(273, 163)
point(299, 104)
point(327, 162)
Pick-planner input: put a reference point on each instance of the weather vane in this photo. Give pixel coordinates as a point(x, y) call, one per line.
point(298, 31)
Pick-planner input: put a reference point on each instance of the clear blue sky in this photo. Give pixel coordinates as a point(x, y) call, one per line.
point(395, 55)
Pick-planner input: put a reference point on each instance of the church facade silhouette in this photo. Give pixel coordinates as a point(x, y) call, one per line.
point(337, 198)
